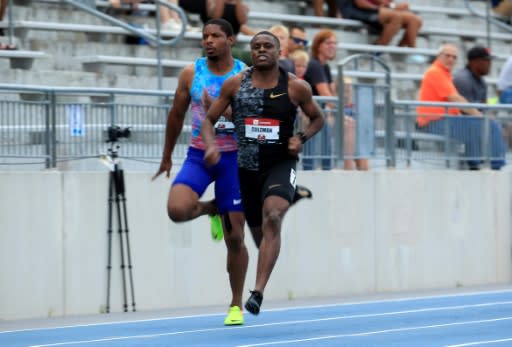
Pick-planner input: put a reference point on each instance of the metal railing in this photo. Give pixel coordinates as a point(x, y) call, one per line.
point(488, 17)
point(48, 125)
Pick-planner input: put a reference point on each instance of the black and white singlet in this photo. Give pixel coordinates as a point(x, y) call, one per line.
point(264, 121)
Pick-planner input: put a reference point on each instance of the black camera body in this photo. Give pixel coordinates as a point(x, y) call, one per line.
point(114, 133)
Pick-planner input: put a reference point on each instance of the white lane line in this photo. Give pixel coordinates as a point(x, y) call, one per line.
point(412, 298)
point(308, 321)
point(476, 343)
point(421, 327)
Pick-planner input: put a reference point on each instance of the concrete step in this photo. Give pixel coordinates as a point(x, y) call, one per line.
point(84, 79)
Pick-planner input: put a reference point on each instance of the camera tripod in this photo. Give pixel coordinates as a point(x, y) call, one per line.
point(116, 189)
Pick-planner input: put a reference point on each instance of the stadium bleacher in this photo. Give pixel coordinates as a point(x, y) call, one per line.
point(72, 42)
point(80, 50)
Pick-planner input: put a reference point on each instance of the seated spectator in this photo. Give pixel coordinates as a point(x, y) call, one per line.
point(118, 3)
point(297, 39)
point(469, 80)
point(3, 9)
point(318, 8)
point(171, 20)
point(502, 8)
point(505, 82)
point(300, 60)
point(386, 16)
point(504, 86)
point(234, 11)
point(349, 137)
point(437, 86)
point(318, 75)
point(282, 33)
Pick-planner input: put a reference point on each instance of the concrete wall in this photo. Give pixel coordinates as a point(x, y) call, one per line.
point(362, 233)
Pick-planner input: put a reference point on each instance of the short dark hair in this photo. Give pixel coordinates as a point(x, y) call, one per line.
point(268, 33)
point(224, 25)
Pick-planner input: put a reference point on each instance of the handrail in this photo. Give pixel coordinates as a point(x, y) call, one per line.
point(140, 32)
point(156, 39)
point(388, 114)
point(488, 18)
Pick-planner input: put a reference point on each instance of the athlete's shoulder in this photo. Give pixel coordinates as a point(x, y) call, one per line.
point(239, 65)
point(187, 74)
point(295, 82)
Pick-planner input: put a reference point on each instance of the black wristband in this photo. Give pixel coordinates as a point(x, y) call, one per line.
point(302, 137)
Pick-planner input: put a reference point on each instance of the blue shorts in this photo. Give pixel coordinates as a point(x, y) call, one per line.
point(195, 174)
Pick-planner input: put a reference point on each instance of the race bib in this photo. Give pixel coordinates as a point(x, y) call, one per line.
point(224, 126)
point(263, 130)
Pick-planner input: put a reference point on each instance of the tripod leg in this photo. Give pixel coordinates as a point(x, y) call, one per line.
point(122, 196)
point(109, 236)
point(118, 187)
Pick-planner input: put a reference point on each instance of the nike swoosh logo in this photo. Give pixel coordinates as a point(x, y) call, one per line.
point(273, 96)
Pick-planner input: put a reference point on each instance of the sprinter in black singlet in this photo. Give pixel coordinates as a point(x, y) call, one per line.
point(264, 101)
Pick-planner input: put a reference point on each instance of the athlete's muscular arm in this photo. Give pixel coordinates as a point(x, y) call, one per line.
point(175, 119)
point(217, 108)
point(301, 95)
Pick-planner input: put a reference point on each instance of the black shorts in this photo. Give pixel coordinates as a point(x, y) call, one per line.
point(366, 15)
point(255, 186)
point(194, 6)
point(369, 16)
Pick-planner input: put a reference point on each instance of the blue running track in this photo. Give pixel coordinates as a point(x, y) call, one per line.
point(456, 320)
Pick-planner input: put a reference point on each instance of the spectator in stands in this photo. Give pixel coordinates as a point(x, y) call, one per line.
point(505, 82)
point(437, 86)
point(234, 11)
point(318, 8)
point(282, 33)
point(469, 80)
point(318, 74)
point(502, 8)
point(297, 38)
point(385, 16)
point(300, 60)
point(505, 95)
point(3, 9)
point(349, 138)
point(171, 20)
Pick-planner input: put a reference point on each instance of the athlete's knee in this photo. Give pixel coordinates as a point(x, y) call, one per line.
point(274, 217)
point(234, 231)
point(177, 213)
point(234, 241)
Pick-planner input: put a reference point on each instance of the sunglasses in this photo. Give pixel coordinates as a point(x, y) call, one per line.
point(299, 41)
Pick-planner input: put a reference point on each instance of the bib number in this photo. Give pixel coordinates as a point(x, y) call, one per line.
point(262, 130)
point(224, 126)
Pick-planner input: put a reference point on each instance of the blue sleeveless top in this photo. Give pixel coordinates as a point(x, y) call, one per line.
point(204, 79)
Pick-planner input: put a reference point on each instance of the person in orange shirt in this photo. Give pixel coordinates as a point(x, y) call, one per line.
point(437, 86)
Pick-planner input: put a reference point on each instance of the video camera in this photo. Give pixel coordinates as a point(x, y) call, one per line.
point(115, 132)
